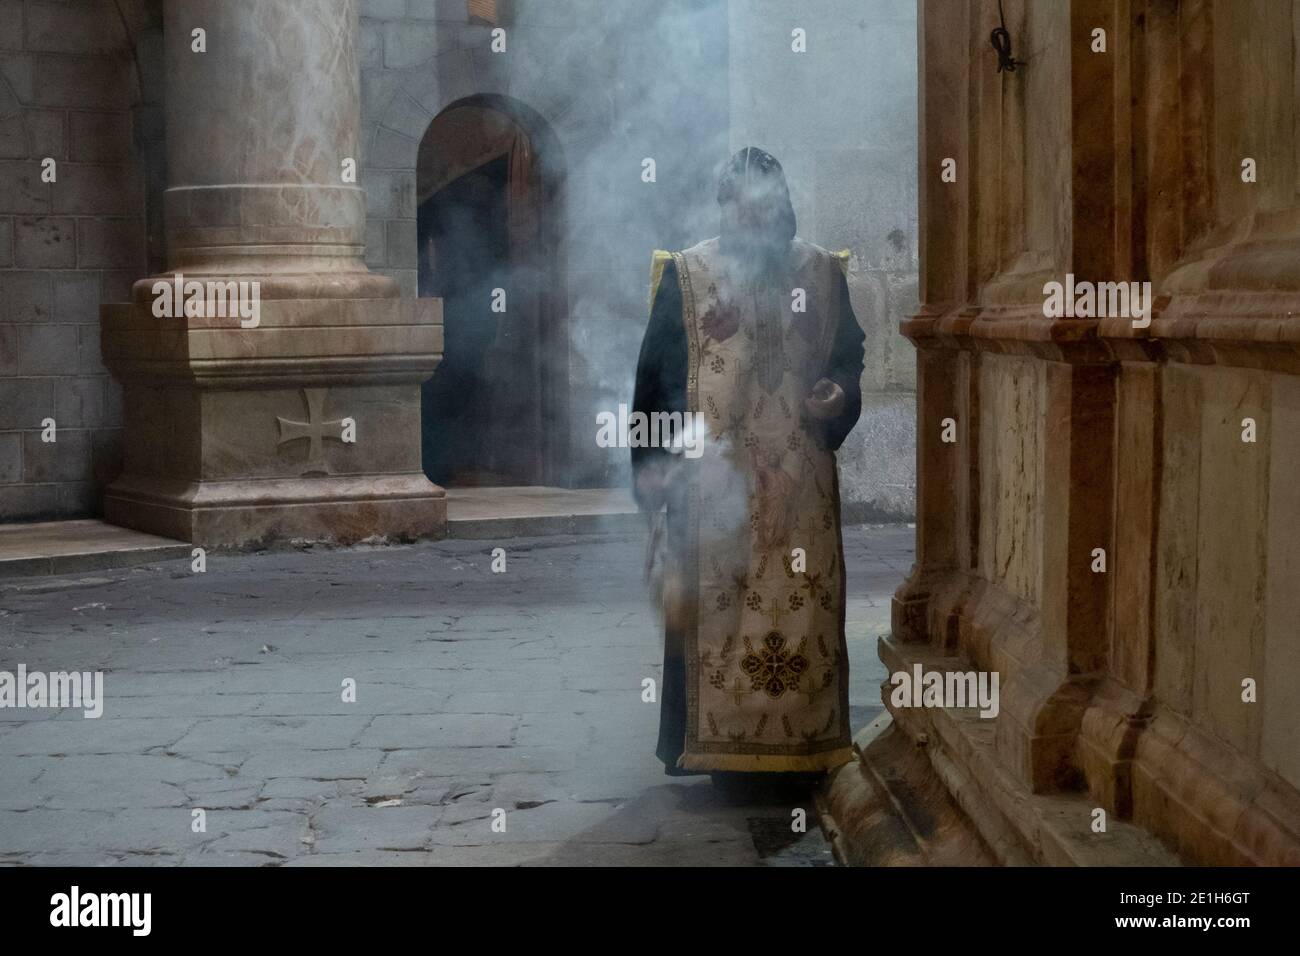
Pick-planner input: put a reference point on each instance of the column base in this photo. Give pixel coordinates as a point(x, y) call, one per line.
point(306, 427)
point(1019, 826)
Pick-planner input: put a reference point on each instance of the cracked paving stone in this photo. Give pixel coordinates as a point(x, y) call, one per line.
point(457, 761)
point(345, 829)
point(443, 730)
point(302, 788)
point(256, 733)
point(103, 735)
point(278, 842)
point(581, 822)
point(350, 764)
point(475, 691)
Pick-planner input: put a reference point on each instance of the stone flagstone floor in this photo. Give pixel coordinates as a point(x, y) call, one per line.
point(475, 691)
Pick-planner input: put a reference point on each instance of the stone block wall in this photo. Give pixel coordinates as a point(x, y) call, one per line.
point(69, 91)
point(1107, 507)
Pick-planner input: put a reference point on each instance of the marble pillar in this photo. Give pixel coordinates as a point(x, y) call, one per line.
point(303, 421)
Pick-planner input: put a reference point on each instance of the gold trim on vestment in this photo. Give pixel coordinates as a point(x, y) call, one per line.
point(658, 261)
point(691, 572)
point(767, 763)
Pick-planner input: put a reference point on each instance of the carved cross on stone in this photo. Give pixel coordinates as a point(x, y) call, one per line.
point(315, 430)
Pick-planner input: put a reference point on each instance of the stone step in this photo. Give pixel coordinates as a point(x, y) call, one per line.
point(888, 808)
point(482, 513)
point(68, 547)
point(1056, 827)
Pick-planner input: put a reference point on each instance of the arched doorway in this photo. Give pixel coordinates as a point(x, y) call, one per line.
point(489, 187)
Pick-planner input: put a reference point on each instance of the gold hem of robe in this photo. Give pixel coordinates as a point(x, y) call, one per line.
point(769, 763)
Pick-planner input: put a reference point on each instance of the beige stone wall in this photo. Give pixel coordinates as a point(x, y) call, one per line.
point(71, 91)
point(1122, 689)
point(1010, 455)
point(1229, 559)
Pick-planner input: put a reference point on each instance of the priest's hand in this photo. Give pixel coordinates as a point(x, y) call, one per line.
point(650, 489)
point(652, 481)
point(826, 400)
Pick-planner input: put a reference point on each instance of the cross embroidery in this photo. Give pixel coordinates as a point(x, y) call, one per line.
point(315, 430)
point(775, 611)
point(738, 692)
point(809, 534)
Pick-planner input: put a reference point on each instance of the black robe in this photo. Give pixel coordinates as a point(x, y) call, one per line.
point(661, 387)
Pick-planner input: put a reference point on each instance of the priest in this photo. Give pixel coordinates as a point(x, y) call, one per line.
point(754, 331)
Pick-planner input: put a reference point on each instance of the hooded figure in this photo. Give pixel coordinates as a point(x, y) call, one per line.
point(752, 335)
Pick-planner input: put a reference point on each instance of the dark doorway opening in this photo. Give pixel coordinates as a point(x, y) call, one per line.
point(494, 411)
point(463, 235)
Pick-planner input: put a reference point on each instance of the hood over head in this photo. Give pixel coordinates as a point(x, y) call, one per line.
point(757, 215)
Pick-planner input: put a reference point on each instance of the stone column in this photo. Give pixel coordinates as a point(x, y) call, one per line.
point(942, 372)
point(238, 427)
